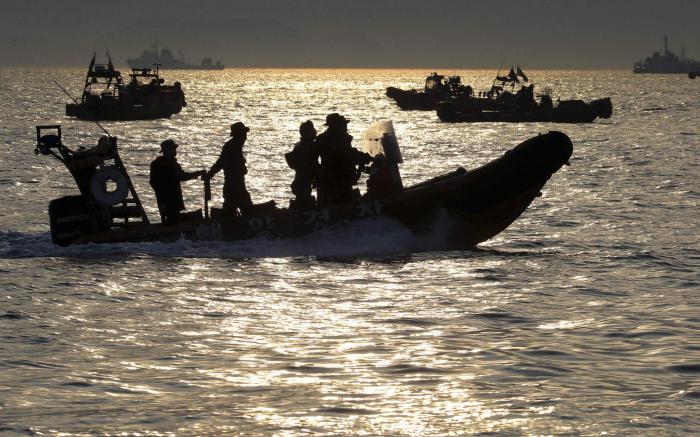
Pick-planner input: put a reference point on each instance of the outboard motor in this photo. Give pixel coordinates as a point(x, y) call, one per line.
point(602, 107)
point(69, 218)
point(103, 183)
point(384, 175)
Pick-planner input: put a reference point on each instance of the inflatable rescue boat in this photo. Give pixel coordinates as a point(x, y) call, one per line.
point(478, 203)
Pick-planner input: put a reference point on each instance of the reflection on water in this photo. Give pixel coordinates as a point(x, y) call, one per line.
point(581, 318)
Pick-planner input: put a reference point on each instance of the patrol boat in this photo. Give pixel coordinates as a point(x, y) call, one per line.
point(437, 87)
point(473, 205)
point(502, 103)
point(106, 96)
point(666, 62)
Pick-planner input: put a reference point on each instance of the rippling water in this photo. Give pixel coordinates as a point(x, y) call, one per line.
point(581, 318)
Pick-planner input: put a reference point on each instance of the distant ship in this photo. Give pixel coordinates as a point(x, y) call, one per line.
point(667, 62)
point(166, 60)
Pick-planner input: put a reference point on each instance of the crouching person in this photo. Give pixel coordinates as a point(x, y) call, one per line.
point(166, 175)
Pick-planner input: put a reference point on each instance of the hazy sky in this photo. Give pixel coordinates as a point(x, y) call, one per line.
point(351, 33)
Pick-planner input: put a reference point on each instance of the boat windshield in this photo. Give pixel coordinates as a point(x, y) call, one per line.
point(434, 82)
point(144, 76)
point(380, 139)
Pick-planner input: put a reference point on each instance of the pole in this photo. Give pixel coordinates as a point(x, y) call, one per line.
point(117, 158)
point(207, 197)
point(83, 109)
point(499, 72)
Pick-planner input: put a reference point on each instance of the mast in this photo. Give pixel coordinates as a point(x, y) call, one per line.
point(665, 45)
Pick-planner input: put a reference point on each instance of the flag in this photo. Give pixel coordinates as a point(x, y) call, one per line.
point(512, 76)
point(521, 74)
point(502, 78)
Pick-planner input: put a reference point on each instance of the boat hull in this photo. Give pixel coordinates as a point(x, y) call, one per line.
point(566, 112)
point(142, 102)
point(101, 111)
point(414, 100)
point(473, 205)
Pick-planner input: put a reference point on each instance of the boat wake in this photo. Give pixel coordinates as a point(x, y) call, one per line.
point(371, 237)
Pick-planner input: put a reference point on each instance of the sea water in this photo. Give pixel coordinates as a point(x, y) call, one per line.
point(580, 318)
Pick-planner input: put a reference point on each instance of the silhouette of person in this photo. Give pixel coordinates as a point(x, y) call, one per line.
point(339, 161)
point(526, 98)
point(232, 161)
point(546, 103)
point(303, 159)
point(165, 178)
point(382, 180)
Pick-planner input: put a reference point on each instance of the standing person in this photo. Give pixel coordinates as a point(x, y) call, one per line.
point(339, 161)
point(232, 161)
point(165, 178)
point(303, 159)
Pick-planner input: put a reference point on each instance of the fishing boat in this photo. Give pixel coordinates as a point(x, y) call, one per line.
point(107, 97)
point(437, 87)
point(473, 206)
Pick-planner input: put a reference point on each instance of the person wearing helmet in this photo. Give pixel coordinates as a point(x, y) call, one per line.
point(304, 161)
point(339, 162)
point(166, 176)
point(232, 161)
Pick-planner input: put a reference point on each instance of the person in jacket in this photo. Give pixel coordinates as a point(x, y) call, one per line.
point(339, 162)
point(165, 178)
point(233, 163)
point(303, 159)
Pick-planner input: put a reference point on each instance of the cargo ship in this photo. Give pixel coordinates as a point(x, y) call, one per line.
point(167, 60)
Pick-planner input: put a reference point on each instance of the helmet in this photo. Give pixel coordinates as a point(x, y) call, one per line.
point(168, 145)
point(336, 119)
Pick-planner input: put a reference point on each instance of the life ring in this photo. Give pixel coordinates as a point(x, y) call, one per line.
point(98, 186)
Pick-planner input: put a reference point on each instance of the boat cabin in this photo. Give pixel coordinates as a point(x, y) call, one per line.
point(145, 76)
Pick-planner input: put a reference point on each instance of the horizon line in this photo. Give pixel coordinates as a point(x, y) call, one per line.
point(434, 68)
